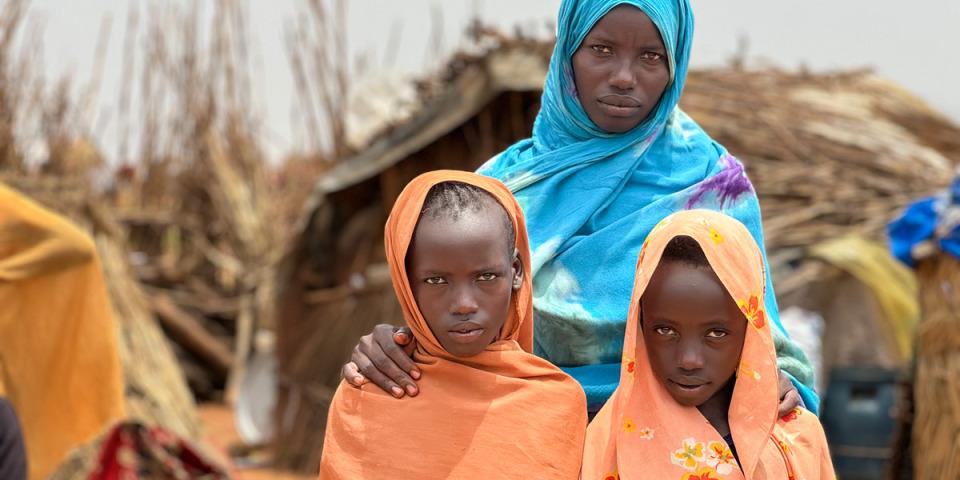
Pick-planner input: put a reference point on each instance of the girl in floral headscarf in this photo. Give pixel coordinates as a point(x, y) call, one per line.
point(697, 398)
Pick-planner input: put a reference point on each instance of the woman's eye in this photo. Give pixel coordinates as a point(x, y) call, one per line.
point(666, 331)
point(716, 334)
point(602, 49)
point(486, 277)
point(435, 281)
point(652, 56)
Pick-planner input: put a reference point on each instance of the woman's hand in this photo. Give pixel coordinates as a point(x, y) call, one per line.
point(789, 396)
point(383, 357)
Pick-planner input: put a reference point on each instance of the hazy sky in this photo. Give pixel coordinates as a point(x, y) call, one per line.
point(917, 46)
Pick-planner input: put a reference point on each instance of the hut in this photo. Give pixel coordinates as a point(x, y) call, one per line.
point(927, 237)
point(936, 428)
point(829, 154)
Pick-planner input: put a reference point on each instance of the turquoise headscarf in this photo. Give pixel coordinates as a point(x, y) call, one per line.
point(591, 197)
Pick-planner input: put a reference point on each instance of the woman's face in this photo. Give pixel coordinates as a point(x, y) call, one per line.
point(621, 69)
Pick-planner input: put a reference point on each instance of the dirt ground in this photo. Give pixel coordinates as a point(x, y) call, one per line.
point(220, 433)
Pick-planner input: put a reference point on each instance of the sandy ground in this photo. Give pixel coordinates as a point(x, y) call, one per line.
point(220, 433)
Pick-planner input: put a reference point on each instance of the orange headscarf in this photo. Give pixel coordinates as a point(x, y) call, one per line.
point(643, 433)
point(59, 360)
point(504, 413)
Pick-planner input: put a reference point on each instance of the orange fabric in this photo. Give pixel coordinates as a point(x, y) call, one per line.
point(643, 433)
point(504, 413)
point(58, 347)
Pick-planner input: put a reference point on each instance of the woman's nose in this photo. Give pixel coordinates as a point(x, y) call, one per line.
point(623, 77)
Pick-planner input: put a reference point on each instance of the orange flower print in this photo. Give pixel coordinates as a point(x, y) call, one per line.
point(720, 458)
point(628, 425)
point(792, 415)
point(612, 476)
point(643, 249)
point(689, 455)
point(661, 224)
point(788, 440)
point(783, 446)
point(704, 473)
point(748, 372)
point(646, 433)
point(715, 236)
point(629, 365)
point(753, 311)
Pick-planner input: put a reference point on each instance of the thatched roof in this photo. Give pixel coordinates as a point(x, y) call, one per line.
point(465, 86)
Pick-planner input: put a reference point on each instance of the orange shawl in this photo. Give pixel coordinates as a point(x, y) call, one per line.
point(504, 413)
point(59, 360)
point(643, 433)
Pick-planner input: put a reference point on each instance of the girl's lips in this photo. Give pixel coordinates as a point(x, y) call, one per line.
point(465, 336)
point(691, 388)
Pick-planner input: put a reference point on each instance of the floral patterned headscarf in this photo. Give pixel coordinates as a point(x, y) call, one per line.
point(642, 432)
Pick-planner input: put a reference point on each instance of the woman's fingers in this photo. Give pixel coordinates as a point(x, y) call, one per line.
point(403, 337)
point(380, 360)
point(370, 371)
point(789, 396)
point(351, 373)
point(789, 402)
point(391, 361)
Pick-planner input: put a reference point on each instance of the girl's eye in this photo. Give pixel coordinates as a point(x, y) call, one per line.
point(602, 49)
point(486, 277)
point(435, 281)
point(716, 334)
point(666, 331)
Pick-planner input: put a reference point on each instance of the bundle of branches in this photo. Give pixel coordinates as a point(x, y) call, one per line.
point(194, 197)
point(190, 192)
point(32, 114)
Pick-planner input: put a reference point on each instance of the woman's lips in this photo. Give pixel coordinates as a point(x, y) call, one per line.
point(619, 105)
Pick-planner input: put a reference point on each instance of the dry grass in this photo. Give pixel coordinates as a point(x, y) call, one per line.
point(936, 427)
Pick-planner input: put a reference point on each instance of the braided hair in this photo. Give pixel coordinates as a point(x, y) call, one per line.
point(453, 199)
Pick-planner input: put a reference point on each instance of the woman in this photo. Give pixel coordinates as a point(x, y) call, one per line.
point(611, 155)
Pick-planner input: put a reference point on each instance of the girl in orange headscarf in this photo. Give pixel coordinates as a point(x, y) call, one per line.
point(488, 408)
point(698, 390)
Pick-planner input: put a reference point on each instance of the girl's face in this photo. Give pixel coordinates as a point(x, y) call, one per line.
point(463, 276)
point(693, 331)
point(621, 70)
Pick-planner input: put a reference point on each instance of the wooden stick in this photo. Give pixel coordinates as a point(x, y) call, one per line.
point(190, 333)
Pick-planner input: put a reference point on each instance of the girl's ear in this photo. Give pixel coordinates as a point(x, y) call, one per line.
point(517, 270)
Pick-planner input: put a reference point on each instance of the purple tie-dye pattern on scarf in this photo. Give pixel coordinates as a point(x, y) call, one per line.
point(571, 83)
point(729, 184)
